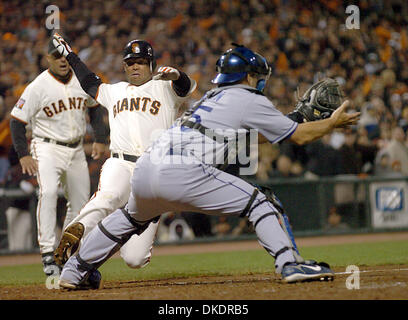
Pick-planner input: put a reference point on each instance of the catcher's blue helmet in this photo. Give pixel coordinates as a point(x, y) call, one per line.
point(236, 63)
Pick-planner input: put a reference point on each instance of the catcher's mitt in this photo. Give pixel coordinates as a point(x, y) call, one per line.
point(320, 100)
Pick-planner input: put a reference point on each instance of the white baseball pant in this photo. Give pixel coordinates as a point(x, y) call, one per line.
point(113, 193)
point(58, 166)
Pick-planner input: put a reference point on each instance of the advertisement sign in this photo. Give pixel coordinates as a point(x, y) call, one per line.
point(389, 204)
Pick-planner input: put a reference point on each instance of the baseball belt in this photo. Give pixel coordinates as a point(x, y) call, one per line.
point(126, 157)
point(65, 144)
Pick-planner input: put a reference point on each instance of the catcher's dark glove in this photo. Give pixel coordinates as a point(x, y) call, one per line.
point(320, 100)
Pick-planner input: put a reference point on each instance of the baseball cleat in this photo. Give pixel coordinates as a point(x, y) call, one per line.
point(92, 282)
point(308, 271)
point(69, 243)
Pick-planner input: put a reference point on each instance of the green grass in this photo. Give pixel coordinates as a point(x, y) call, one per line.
point(241, 262)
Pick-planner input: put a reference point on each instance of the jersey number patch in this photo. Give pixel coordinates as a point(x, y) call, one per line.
point(196, 116)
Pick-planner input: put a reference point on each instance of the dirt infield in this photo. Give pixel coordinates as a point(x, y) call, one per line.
point(376, 283)
point(379, 282)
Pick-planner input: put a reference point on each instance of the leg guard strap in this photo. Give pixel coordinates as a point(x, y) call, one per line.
point(284, 249)
point(130, 219)
point(250, 202)
point(83, 265)
point(278, 253)
point(256, 205)
point(263, 217)
point(275, 201)
point(139, 225)
point(109, 235)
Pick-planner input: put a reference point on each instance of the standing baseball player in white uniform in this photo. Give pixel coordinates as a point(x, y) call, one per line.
point(139, 110)
point(178, 172)
point(55, 106)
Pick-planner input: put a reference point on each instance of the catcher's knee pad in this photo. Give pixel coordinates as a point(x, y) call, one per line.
point(135, 257)
point(137, 250)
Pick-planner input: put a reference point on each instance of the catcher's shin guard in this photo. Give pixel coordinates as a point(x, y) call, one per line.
point(109, 236)
point(99, 245)
point(284, 221)
point(280, 215)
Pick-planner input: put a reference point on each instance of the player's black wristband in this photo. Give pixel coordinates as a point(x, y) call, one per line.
point(89, 81)
point(182, 85)
point(296, 116)
point(18, 136)
point(96, 119)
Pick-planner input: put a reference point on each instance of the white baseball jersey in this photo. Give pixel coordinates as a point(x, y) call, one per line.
point(138, 114)
point(55, 110)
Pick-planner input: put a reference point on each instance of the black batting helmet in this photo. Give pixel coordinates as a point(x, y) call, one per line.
point(140, 49)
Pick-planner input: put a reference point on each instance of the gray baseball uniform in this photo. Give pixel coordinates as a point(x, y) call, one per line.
point(177, 173)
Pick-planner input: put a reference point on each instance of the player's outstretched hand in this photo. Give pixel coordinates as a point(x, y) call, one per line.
point(61, 45)
point(29, 165)
point(167, 73)
point(342, 119)
point(98, 150)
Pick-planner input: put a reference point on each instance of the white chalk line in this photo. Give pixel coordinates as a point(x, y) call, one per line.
point(371, 271)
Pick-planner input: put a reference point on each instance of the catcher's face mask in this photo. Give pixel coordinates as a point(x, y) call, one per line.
point(264, 72)
point(261, 84)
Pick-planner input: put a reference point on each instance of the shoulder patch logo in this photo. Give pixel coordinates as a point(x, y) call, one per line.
point(20, 103)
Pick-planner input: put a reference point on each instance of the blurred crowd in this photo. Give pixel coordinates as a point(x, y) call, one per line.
point(302, 40)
